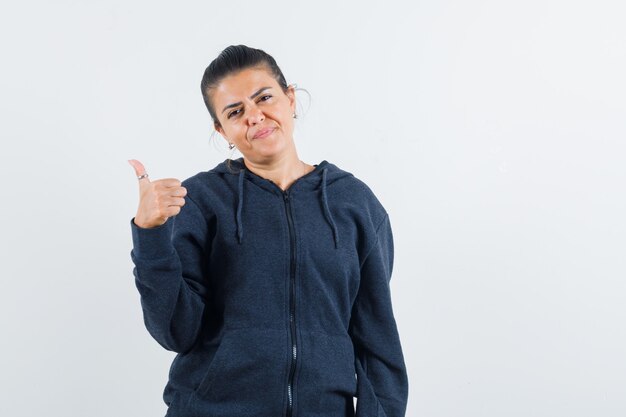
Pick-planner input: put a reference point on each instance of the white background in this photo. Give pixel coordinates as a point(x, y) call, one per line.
point(492, 131)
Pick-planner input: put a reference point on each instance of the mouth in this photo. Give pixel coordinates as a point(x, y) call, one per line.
point(264, 133)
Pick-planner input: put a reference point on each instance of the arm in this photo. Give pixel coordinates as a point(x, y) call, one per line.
point(382, 388)
point(170, 263)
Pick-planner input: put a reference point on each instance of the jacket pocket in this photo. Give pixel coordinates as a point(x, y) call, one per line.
point(249, 367)
point(327, 381)
point(209, 376)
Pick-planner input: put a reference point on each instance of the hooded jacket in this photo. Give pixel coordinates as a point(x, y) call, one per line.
point(277, 303)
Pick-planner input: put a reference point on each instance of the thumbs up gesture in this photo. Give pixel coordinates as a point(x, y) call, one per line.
point(158, 200)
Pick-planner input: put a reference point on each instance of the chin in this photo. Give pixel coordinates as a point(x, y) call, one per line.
point(270, 150)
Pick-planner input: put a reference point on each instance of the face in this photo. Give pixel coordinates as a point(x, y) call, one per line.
point(248, 103)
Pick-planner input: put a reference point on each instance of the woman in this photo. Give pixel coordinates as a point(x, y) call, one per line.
point(268, 276)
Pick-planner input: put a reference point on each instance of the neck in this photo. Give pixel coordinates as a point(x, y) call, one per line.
point(282, 172)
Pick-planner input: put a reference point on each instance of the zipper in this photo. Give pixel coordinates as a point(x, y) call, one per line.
point(292, 305)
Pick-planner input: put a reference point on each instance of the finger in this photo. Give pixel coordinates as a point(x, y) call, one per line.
point(172, 211)
point(168, 182)
point(139, 169)
point(176, 201)
point(178, 192)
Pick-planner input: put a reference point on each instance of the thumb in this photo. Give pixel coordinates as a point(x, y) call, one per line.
point(139, 169)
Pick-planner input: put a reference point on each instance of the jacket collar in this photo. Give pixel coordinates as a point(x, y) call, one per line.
point(324, 173)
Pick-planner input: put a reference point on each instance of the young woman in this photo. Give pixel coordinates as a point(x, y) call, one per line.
point(267, 275)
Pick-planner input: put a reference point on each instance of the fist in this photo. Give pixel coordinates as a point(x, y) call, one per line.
point(158, 200)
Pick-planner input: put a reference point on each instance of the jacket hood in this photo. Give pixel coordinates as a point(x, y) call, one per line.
point(318, 181)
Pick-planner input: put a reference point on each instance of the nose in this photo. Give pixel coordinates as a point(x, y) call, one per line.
point(255, 115)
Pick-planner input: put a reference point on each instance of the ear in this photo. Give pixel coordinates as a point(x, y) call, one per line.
point(291, 94)
point(218, 128)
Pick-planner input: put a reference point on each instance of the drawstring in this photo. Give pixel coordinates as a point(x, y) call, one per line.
point(329, 216)
point(239, 206)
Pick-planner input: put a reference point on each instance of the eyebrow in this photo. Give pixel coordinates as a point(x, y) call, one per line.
point(259, 91)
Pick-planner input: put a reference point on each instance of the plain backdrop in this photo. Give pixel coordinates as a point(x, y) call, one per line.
point(492, 131)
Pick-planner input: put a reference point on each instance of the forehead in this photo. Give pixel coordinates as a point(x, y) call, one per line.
point(241, 85)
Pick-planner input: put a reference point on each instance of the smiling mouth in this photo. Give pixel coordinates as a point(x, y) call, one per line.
point(264, 133)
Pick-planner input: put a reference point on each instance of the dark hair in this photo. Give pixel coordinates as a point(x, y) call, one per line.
point(231, 60)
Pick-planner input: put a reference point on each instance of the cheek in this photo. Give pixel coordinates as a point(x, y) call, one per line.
point(230, 133)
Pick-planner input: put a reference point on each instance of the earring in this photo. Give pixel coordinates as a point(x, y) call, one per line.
point(231, 145)
point(295, 116)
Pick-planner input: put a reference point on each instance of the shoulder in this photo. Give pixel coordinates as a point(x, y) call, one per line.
point(196, 182)
point(360, 196)
point(376, 211)
point(203, 190)
point(195, 185)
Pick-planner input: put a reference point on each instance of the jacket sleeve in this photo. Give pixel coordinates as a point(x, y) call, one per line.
point(170, 266)
point(382, 387)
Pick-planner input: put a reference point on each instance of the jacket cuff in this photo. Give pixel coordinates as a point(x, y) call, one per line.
point(154, 242)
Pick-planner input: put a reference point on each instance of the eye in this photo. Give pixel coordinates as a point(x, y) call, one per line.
point(235, 111)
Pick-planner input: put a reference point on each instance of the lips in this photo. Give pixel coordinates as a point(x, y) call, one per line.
point(263, 132)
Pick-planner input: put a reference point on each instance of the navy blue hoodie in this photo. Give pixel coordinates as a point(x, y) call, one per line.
point(277, 302)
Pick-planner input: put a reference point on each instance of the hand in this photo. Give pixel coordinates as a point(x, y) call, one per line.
point(158, 200)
